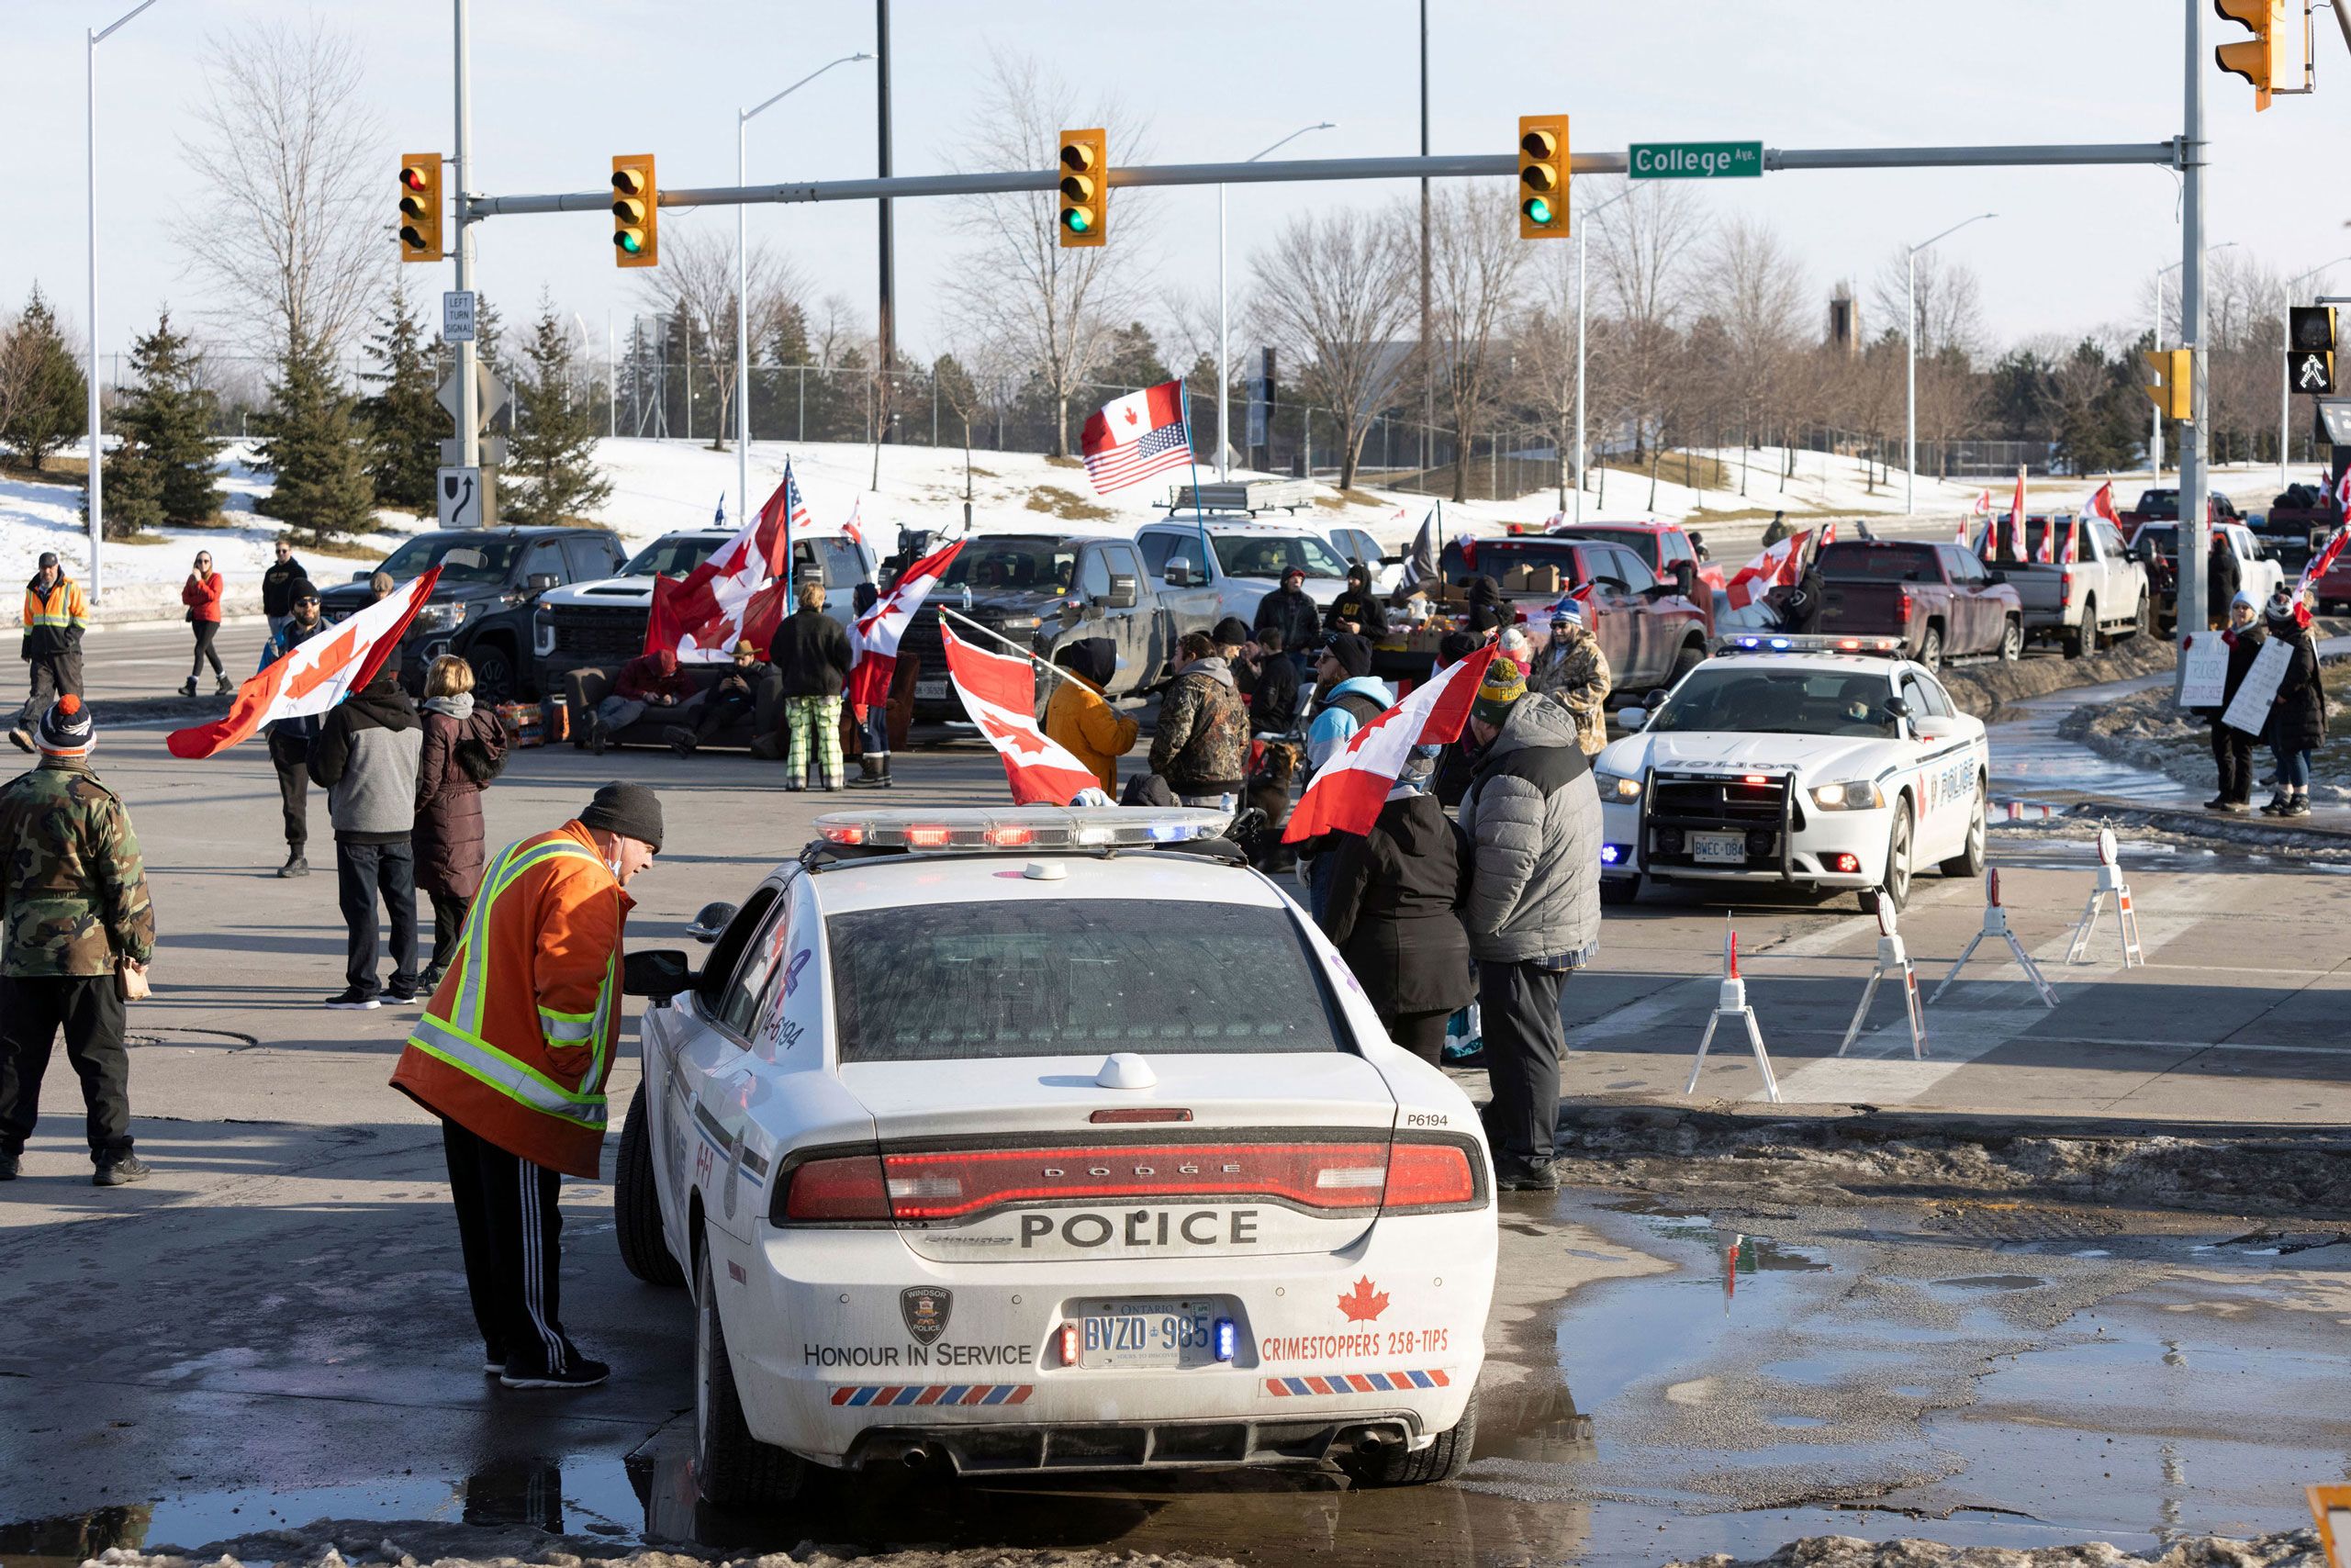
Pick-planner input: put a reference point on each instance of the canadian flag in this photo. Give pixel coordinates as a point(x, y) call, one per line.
point(2343, 493)
point(2099, 507)
point(313, 676)
point(2016, 517)
point(1348, 790)
point(999, 690)
point(857, 535)
point(2320, 564)
point(877, 633)
point(1575, 601)
point(736, 594)
point(1828, 533)
point(2046, 552)
point(1983, 508)
point(1780, 564)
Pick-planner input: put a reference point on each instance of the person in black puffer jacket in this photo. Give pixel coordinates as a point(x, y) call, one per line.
point(2233, 747)
point(1298, 617)
point(1394, 915)
point(2298, 714)
point(1273, 706)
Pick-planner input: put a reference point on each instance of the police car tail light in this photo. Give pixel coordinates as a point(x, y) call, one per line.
point(846, 1188)
point(1428, 1176)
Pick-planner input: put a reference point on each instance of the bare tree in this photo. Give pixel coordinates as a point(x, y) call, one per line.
point(1544, 367)
point(1475, 261)
point(1754, 288)
point(1645, 247)
point(695, 283)
point(293, 227)
point(1950, 304)
point(1020, 284)
point(1331, 296)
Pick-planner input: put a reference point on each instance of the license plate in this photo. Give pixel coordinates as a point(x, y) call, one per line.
point(1719, 848)
point(1146, 1332)
point(930, 690)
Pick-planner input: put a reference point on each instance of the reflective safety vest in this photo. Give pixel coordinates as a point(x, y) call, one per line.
point(54, 620)
point(516, 1044)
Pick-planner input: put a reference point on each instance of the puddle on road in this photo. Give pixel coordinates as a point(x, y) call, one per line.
point(1768, 1388)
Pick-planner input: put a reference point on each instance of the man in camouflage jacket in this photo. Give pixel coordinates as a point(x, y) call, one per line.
point(1202, 745)
point(74, 910)
point(1574, 673)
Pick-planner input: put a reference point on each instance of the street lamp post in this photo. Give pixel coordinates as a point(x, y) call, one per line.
point(1224, 335)
point(2285, 377)
point(1910, 359)
point(95, 488)
point(743, 117)
point(2154, 436)
point(1589, 214)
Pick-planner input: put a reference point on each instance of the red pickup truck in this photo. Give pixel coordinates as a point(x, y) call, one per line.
point(1651, 634)
point(1664, 547)
point(1938, 599)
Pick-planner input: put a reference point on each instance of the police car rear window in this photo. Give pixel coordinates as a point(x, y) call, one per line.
point(1077, 977)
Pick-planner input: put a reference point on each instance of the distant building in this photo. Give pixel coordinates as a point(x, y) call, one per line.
point(1844, 319)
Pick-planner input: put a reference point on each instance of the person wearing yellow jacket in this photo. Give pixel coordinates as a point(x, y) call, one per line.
point(1080, 718)
point(512, 1055)
point(55, 615)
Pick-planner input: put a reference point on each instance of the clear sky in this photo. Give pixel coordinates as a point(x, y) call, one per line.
point(562, 85)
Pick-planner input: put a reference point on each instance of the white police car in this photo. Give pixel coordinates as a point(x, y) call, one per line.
point(1814, 762)
point(1043, 1138)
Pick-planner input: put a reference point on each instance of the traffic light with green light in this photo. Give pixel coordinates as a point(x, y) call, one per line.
point(420, 207)
point(1085, 188)
point(637, 212)
point(2261, 59)
point(1542, 176)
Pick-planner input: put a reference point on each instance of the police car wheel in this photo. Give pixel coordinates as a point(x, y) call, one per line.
point(1443, 1460)
point(733, 1468)
point(1895, 890)
point(1969, 861)
point(1619, 890)
point(636, 1206)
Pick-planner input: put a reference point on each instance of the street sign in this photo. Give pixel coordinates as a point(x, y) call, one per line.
point(459, 492)
point(494, 394)
point(457, 316)
point(1696, 159)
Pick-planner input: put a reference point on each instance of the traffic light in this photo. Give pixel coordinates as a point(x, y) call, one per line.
point(637, 212)
point(2310, 349)
point(1085, 188)
point(420, 207)
point(1542, 176)
point(2261, 59)
point(2172, 388)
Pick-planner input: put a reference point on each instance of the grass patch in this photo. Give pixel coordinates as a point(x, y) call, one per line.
point(1058, 502)
point(1755, 514)
point(57, 468)
point(1685, 468)
point(983, 473)
point(1058, 463)
point(340, 548)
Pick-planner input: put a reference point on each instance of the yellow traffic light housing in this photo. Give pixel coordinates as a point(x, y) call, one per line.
point(2261, 59)
point(419, 223)
point(1542, 176)
point(1085, 188)
point(2173, 388)
point(637, 212)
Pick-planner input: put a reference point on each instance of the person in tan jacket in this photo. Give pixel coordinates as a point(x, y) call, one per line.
point(1081, 719)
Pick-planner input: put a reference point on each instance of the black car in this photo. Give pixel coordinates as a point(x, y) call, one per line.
point(481, 607)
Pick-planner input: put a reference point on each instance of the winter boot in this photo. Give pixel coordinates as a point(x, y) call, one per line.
point(681, 739)
point(2297, 804)
point(188, 689)
point(767, 747)
point(2275, 806)
point(223, 687)
point(869, 775)
point(295, 866)
point(23, 737)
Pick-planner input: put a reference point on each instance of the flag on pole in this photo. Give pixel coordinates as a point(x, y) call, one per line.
point(1129, 439)
point(720, 520)
point(1828, 534)
point(2099, 507)
point(2047, 551)
point(1780, 564)
point(1575, 602)
point(999, 690)
point(2016, 517)
point(857, 535)
point(1348, 790)
point(315, 675)
point(2320, 564)
point(877, 633)
point(1983, 508)
point(1420, 562)
point(2343, 493)
point(736, 594)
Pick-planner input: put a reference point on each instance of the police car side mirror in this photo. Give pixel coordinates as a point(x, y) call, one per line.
point(658, 972)
point(710, 921)
point(1631, 719)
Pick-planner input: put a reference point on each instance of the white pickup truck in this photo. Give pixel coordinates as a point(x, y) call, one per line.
point(2158, 544)
point(2101, 594)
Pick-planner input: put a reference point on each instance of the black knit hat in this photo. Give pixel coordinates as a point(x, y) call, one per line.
point(630, 809)
point(1353, 653)
point(1232, 631)
point(67, 729)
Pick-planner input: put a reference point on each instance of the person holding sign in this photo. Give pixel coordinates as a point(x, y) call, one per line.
point(2298, 713)
point(2233, 747)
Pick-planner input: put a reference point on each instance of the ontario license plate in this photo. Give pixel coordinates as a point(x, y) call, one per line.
point(1146, 1332)
point(930, 690)
point(1719, 848)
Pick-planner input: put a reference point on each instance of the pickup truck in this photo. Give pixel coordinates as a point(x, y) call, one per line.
point(2079, 605)
point(2163, 506)
point(1938, 599)
point(2296, 525)
point(2157, 546)
point(1665, 548)
point(1040, 590)
point(1247, 563)
point(1650, 634)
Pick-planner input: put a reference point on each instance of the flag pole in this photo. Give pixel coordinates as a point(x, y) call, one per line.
point(787, 536)
point(1054, 670)
point(1200, 518)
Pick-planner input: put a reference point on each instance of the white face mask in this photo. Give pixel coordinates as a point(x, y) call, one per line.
point(613, 866)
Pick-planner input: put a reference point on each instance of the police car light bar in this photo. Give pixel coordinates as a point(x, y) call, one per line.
point(1019, 828)
point(1794, 643)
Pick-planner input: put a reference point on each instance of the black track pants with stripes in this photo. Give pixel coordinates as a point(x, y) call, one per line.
point(512, 1235)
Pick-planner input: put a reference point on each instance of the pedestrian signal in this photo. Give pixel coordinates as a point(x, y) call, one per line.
point(2310, 349)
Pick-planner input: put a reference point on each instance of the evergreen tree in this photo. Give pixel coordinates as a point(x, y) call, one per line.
point(405, 421)
point(550, 473)
point(49, 408)
point(164, 422)
point(315, 449)
point(1131, 359)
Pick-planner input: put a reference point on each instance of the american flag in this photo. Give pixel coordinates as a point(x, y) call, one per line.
point(1128, 440)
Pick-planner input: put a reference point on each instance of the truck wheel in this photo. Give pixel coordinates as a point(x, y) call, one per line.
point(1619, 890)
point(733, 1468)
point(1931, 648)
point(1895, 888)
point(2083, 637)
point(1443, 1460)
point(1692, 656)
point(2011, 641)
point(636, 1203)
point(493, 672)
point(2138, 623)
point(1969, 861)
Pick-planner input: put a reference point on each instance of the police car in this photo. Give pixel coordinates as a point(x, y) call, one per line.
point(1044, 1138)
point(1809, 762)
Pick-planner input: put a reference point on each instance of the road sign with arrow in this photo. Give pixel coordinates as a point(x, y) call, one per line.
point(459, 493)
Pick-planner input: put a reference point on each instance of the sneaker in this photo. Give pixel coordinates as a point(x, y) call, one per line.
point(10, 1165)
point(2299, 806)
point(494, 1361)
point(2276, 807)
point(430, 981)
point(1524, 1176)
point(581, 1373)
point(353, 1002)
point(2217, 804)
point(399, 997)
point(295, 865)
point(23, 737)
point(119, 1170)
point(2236, 808)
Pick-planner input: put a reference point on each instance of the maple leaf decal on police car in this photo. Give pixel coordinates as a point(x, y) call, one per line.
point(1363, 1304)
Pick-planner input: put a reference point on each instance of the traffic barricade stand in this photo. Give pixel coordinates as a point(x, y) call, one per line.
point(1895, 961)
point(1996, 924)
point(1731, 1003)
point(2126, 919)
